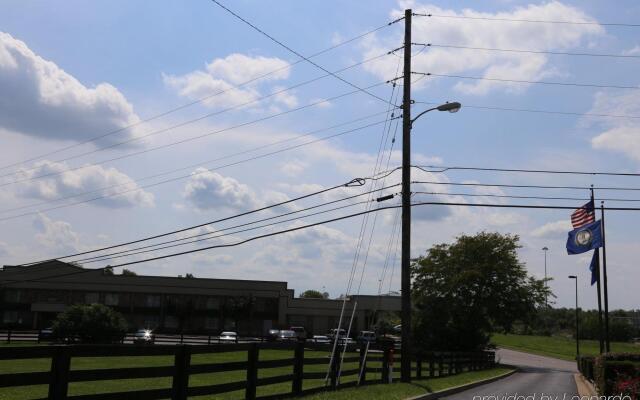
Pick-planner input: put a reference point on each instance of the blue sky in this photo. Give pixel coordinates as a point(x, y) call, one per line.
point(72, 70)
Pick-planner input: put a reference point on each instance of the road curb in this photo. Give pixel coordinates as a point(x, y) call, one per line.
point(462, 388)
point(585, 388)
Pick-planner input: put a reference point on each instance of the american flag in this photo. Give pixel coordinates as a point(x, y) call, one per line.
point(583, 215)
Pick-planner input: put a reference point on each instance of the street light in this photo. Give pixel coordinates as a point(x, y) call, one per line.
point(453, 107)
point(546, 296)
point(577, 319)
point(405, 264)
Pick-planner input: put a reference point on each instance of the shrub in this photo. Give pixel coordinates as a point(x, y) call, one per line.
point(92, 323)
point(614, 371)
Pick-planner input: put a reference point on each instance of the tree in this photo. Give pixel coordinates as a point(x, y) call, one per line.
point(464, 291)
point(107, 271)
point(90, 323)
point(312, 294)
point(128, 272)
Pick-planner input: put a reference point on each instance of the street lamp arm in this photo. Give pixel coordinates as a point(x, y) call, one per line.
point(421, 114)
point(451, 107)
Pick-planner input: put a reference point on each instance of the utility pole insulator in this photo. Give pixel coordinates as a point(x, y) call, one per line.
point(385, 198)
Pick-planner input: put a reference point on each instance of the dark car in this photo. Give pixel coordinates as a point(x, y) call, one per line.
point(287, 335)
point(45, 335)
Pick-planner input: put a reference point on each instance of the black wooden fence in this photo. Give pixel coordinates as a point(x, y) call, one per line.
point(61, 374)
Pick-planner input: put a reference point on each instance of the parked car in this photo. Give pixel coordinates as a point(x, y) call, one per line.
point(301, 333)
point(144, 336)
point(340, 333)
point(273, 334)
point(367, 336)
point(45, 334)
point(287, 335)
point(320, 339)
point(228, 336)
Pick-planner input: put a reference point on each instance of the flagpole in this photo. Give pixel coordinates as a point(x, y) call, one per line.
point(604, 272)
point(601, 341)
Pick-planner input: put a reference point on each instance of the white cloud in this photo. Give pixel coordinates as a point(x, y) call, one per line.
point(294, 167)
point(40, 99)
point(620, 134)
point(222, 74)
point(92, 178)
point(211, 190)
point(632, 51)
point(55, 235)
point(480, 33)
point(552, 229)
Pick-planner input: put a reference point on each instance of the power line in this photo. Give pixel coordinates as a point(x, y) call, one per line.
point(200, 164)
point(523, 197)
point(430, 203)
point(307, 59)
point(210, 234)
point(200, 100)
point(194, 120)
point(527, 186)
point(591, 85)
point(268, 117)
point(351, 183)
point(194, 173)
point(536, 111)
point(563, 53)
point(528, 20)
point(440, 168)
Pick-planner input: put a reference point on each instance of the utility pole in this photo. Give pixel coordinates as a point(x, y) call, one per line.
point(546, 296)
point(405, 364)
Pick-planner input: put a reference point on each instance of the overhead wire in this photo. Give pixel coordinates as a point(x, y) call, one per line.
point(536, 111)
point(124, 253)
point(442, 168)
point(571, 84)
point(200, 100)
point(291, 50)
point(613, 188)
point(631, 25)
point(563, 53)
point(195, 173)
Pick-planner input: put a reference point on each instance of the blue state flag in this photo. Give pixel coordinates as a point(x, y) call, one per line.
point(594, 267)
point(585, 238)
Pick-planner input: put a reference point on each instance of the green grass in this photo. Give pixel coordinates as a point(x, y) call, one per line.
point(399, 391)
point(557, 346)
point(80, 363)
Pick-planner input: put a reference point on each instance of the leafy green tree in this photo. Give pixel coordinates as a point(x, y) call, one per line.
point(312, 294)
point(90, 323)
point(464, 291)
point(128, 272)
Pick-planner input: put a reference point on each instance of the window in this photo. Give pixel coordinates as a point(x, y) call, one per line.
point(10, 317)
point(170, 322)
point(152, 300)
point(91, 298)
point(213, 303)
point(111, 299)
point(13, 296)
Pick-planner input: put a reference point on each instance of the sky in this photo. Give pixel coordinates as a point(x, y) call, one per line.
point(121, 120)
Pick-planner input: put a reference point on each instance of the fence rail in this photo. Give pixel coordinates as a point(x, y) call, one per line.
point(60, 375)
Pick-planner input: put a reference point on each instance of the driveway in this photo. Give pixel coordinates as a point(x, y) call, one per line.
point(544, 378)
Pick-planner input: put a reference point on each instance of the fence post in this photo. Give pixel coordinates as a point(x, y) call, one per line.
point(440, 365)
point(362, 365)
point(385, 364)
point(9, 336)
point(418, 367)
point(181, 337)
point(333, 374)
point(59, 379)
point(450, 364)
point(432, 371)
point(209, 340)
point(252, 372)
point(298, 369)
point(180, 383)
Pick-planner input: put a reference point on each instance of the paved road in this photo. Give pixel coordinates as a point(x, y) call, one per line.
point(538, 376)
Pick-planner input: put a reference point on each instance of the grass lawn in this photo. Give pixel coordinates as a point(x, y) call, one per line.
point(556, 346)
point(399, 391)
point(79, 363)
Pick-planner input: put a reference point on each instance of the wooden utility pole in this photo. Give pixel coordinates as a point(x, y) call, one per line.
point(405, 364)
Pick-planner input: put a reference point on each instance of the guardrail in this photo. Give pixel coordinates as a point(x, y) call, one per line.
point(379, 361)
